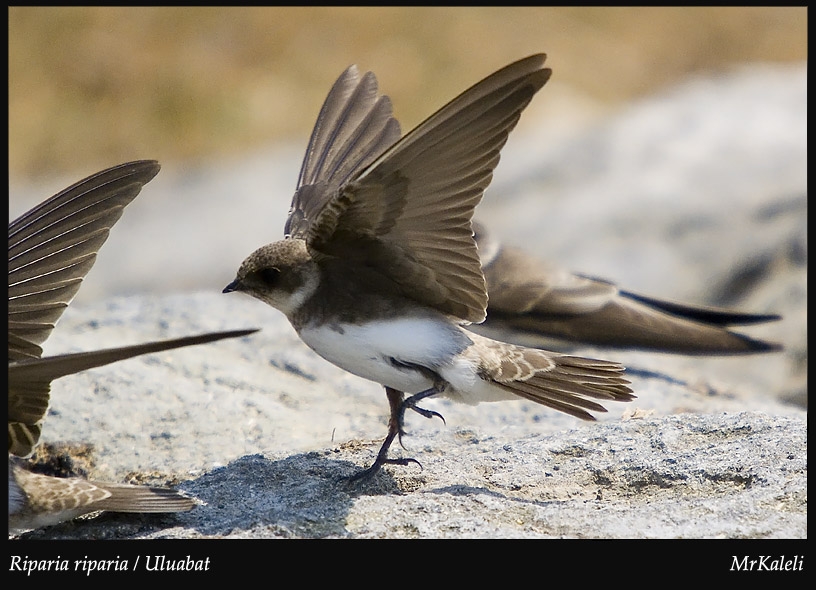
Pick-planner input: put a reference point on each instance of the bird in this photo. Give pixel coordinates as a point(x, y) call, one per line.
point(532, 301)
point(37, 500)
point(51, 249)
point(378, 271)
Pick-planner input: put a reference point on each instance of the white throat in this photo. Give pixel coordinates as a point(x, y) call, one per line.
point(290, 304)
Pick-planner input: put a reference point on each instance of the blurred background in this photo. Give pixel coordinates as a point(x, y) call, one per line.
point(92, 87)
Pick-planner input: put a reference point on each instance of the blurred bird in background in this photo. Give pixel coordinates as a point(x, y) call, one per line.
point(537, 303)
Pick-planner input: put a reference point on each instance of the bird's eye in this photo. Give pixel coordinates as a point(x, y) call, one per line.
point(269, 275)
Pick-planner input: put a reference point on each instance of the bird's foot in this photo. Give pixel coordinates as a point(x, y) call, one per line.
point(367, 474)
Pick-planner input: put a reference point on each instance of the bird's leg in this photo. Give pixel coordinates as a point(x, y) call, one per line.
point(398, 406)
point(395, 400)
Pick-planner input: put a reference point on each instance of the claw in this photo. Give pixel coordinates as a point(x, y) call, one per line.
point(429, 413)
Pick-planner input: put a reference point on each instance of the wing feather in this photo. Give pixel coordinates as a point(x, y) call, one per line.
point(409, 212)
point(353, 128)
point(53, 246)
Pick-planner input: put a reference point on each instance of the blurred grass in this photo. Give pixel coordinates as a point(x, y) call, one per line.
point(91, 87)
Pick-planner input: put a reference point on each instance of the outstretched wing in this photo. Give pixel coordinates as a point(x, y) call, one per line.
point(353, 128)
point(408, 214)
point(53, 246)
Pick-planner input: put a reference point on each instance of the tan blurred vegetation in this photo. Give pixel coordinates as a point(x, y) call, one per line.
point(90, 87)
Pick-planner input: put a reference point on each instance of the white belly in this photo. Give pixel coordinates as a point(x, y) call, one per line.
point(370, 350)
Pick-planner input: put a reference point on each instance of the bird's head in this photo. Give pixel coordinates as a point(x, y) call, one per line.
point(281, 274)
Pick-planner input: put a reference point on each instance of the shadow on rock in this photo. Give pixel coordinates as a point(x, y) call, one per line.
point(305, 495)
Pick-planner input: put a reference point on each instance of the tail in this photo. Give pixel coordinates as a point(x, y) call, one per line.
point(142, 499)
point(569, 384)
point(572, 383)
point(37, 500)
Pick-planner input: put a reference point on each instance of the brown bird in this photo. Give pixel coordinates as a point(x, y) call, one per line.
point(37, 500)
point(51, 249)
point(533, 301)
point(379, 272)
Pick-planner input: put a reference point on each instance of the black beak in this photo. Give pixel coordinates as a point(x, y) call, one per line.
point(233, 286)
